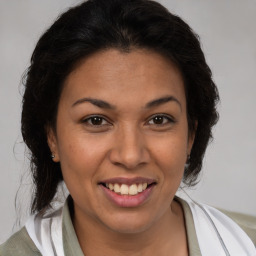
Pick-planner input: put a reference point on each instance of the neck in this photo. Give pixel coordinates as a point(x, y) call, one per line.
point(164, 236)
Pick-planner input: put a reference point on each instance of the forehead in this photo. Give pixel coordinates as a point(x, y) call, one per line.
point(115, 76)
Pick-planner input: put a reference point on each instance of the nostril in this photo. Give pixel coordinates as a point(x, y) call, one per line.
point(129, 154)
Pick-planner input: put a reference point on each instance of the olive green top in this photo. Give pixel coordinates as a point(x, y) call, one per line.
point(20, 244)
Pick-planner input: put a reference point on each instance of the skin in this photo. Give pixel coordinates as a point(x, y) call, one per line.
point(127, 142)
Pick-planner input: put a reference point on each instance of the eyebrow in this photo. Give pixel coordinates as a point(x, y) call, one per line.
point(160, 101)
point(96, 102)
point(105, 105)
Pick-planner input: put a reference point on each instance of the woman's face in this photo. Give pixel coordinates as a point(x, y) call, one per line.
point(122, 138)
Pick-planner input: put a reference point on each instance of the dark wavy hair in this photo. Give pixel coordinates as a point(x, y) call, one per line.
point(98, 25)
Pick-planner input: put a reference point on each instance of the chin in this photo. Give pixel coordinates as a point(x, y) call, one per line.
point(129, 223)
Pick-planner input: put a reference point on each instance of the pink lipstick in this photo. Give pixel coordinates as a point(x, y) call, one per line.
point(128, 192)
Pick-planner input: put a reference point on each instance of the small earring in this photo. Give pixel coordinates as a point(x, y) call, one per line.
point(52, 156)
point(187, 162)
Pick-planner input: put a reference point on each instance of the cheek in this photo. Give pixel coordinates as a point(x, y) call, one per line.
point(171, 152)
point(80, 159)
point(170, 157)
point(79, 168)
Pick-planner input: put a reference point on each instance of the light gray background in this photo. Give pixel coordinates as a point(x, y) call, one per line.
point(228, 34)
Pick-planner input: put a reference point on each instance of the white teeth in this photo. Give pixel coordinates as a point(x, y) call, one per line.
point(133, 190)
point(124, 189)
point(117, 188)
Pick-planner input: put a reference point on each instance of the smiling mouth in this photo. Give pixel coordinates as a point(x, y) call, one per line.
point(124, 189)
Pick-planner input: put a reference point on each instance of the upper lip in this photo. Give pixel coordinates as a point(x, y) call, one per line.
point(128, 181)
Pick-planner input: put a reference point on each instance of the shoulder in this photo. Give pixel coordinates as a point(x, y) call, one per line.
point(19, 244)
point(226, 220)
point(246, 222)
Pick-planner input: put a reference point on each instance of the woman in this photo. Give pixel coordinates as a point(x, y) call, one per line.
point(119, 104)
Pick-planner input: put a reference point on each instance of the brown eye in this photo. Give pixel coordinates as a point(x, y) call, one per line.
point(160, 120)
point(95, 121)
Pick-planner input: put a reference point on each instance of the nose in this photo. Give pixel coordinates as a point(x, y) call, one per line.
point(129, 149)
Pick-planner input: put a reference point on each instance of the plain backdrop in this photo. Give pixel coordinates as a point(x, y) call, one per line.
point(228, 35)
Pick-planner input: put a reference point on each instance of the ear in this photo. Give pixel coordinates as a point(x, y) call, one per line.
point(191, 138)
point(52, 143)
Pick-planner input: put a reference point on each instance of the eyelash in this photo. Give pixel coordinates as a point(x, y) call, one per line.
point(164, 116)
point(167, 118)
point(86, 120)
